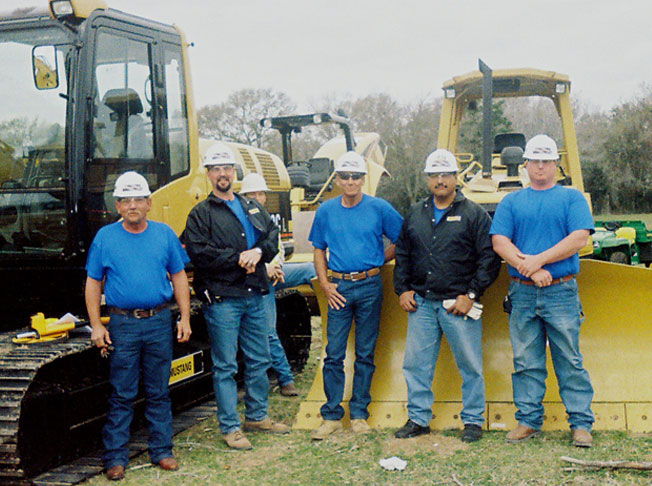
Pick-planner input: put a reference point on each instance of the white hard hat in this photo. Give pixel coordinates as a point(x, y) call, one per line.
point(441, 160)
point(541, 147)
point(218, 154)
point(351, 162)
point(253, 182)
point(131, 184)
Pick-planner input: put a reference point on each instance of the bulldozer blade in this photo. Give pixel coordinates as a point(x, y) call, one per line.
point(615, 340)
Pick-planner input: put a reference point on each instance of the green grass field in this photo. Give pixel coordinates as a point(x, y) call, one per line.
point(345, 459)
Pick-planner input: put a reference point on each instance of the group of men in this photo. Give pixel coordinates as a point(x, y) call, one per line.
point(447, 254)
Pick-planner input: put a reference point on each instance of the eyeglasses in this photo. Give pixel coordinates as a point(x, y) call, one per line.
point(544, 162)
point(125, 200)
point(345, 176)
point(220, 168)
point(443, 175)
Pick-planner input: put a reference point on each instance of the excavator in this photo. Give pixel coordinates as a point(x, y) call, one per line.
point(615, 337)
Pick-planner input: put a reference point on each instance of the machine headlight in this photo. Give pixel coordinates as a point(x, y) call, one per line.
point(62, 8)
point(560, 88)
point(317, 119)
point(449, 93)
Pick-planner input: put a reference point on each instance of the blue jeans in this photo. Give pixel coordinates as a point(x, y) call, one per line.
point(425, 328)
point(552, 314)
point(139, 344)
point(279, 360)
point(233, 321)
point(364, 300)
point(295, 274)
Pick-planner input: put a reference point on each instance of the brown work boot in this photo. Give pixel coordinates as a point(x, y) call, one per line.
point(327, 427)
point(289, 390)
point(237, 440)
point(168, 464)
point(115, 473)
point(582, 438)
point(360, 426)
point(266, 425)
point(521, 433)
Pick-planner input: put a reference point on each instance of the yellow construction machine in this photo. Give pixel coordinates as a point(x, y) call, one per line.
point(615, 337)
point(88, 93)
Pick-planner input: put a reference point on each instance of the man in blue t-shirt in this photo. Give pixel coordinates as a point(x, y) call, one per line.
point(133, 258)
point(351, 227)
point(539, 231)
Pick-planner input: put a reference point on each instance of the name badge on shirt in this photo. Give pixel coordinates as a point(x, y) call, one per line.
point(454, 218)
point(254, 211)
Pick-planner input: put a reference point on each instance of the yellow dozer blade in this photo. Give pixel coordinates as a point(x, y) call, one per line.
point(615, 340)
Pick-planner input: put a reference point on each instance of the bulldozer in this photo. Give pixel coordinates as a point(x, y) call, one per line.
point(615, 337)
point(90, 92)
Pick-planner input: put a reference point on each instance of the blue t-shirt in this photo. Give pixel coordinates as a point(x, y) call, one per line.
point(537, 220)
point(354, 236)
point(251, 232)
point(439, 213)
point(136, 264)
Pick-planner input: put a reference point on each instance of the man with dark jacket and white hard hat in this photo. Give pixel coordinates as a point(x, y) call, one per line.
point(351, 229)
point(134, 257)
point(444, 263)
point(539, 232)
point(229, 238)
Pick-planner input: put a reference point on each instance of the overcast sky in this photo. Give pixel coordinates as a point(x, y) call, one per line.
point(406, 48)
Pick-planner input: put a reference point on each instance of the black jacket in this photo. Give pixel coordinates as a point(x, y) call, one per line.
point(214, 239)
point(449, 259)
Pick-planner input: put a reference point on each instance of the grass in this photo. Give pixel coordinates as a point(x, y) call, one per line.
point(346, 459)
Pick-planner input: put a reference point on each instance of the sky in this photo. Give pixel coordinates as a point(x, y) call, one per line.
point(406, 48)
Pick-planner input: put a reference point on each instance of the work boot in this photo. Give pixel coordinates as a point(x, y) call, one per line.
point(115, 473)
point(411, 429)
point(327, 427)
point(521, 433)
point(472, 433)
point(582, 438)
point(266, 425)
point(168, 464)
point(237, 440)
point(360, 426)
point(289, 390)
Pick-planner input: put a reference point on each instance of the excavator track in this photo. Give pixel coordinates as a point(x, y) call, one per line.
point(19, 366)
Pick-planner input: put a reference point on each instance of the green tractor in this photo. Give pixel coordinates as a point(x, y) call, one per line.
point(625, 241)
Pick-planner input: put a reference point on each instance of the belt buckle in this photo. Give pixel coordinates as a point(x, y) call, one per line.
point(142, 313)
point(355, 276)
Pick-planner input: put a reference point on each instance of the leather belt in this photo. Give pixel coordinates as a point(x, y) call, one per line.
point(138, 313)
point(355, 276)
point(554, 280)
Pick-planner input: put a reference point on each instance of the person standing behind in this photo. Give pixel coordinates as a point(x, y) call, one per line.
point(539, 231)
point(444, 252)
point(351, 228)
point(281, 276)
point(228, 238)
point(134, 257)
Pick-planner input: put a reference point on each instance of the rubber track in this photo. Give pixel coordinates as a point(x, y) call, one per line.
point(88, 466)
point(18, 366)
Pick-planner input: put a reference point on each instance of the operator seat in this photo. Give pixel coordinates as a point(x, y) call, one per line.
point(126, 108)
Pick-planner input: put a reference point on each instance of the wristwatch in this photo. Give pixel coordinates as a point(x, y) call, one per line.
point(471, 295)
point(260, 252)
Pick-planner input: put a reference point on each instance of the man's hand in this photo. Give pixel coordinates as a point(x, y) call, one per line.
point(335, 299)
point(275, 273)
point(462, 305)
point(183, 330)
point(249, 259)
point(100, 336)
point(407, 302)
point(541, 278)
point(529, 264)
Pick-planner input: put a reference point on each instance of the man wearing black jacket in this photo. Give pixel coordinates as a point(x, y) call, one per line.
point(444, 263)
point(229, 238)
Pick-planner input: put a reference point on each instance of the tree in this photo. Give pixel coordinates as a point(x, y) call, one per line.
point(470, 137)
point(238, 118)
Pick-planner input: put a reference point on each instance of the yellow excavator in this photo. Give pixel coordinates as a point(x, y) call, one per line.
point(615, 338)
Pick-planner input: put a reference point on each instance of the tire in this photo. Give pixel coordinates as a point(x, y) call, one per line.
point(619, 257)
point(299, 175)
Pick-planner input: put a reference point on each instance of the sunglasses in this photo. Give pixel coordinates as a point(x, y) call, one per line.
point(345, 176)
point(443, 175)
